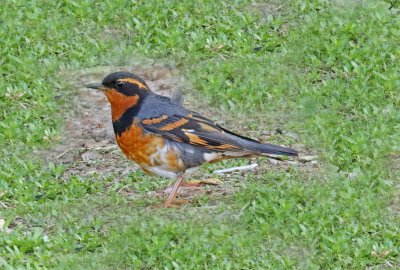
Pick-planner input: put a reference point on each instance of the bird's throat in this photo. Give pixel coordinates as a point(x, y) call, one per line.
point(120, 104)
point(124, 113)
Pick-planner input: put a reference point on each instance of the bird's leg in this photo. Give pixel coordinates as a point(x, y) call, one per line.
point(172, 194)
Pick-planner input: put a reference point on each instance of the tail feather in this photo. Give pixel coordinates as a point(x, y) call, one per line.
point(261, 148)
point(272, 149)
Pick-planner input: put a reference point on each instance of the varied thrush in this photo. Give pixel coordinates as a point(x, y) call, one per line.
point(166, 139)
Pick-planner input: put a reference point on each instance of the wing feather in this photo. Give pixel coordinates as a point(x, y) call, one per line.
point(194, 130)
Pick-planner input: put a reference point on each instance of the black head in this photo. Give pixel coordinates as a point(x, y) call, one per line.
point(125, 83)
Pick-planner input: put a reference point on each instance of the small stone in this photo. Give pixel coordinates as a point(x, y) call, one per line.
point(151, 194)
point(352, 175)
point(89, 156)
point(293, 135)
point(273, 161)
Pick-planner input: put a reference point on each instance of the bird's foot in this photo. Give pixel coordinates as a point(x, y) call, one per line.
point(198, 183)
point(183, 188)
point(175, 203)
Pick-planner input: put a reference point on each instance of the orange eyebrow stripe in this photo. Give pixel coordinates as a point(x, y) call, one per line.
point(133, 81)
point(154, 120)
point(174, 125)
point(195, 139)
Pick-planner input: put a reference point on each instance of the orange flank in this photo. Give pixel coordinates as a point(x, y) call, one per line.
point(174, 163)
point(138, 146)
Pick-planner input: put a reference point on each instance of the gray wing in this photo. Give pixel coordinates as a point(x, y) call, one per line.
point(156, 105)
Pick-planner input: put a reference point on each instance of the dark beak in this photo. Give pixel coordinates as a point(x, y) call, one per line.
point(98, 86)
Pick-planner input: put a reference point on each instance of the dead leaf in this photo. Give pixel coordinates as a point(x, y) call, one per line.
point(380, 254)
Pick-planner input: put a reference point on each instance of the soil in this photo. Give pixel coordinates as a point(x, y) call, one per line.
point(87, 147)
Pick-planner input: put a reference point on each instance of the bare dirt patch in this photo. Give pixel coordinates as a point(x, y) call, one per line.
point(87, 146)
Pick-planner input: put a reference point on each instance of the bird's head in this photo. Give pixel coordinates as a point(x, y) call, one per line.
point(123, 90)
point(121, 83)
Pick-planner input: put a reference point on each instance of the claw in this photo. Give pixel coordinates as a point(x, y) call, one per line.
point(176, 203)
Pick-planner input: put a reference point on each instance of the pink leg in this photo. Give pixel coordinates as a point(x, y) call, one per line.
point(172, 194)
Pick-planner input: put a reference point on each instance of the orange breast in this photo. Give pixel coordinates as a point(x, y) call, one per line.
point(139, 146)
point(148, 150)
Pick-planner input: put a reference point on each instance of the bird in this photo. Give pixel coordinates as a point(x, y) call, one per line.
point(164, 138)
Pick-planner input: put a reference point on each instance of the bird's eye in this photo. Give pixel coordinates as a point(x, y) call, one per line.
point(120, 84)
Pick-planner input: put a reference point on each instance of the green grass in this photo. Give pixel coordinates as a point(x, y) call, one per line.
point(327, 70)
